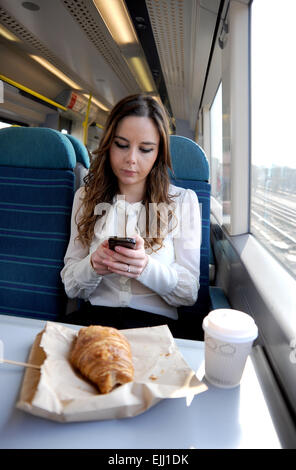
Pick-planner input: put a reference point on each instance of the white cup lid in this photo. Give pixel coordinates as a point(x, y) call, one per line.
point(230, 325)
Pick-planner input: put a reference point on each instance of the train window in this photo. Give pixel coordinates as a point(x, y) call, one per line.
point(273, 105)
point(216, 155)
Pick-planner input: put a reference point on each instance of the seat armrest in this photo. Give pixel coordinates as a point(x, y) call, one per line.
point(217, 298)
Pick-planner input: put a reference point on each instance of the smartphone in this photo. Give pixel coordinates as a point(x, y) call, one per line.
point(126, 242)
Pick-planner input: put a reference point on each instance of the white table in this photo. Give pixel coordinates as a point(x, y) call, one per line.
point(216, 418)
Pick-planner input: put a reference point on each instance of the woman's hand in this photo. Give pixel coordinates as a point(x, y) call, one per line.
point(126, 261)
point(97, 258)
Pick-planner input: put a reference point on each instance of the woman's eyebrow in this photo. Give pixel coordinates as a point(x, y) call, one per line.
point(126, 140)
point(119, 137)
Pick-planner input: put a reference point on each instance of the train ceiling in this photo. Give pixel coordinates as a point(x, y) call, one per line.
point(175, 37)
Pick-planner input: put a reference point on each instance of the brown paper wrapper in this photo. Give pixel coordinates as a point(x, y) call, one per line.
point(58, 392)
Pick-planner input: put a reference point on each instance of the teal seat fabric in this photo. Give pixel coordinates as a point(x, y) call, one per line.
point(82, 161)
point(36, 196)
point(80, 151)
point(36, 147)
point(191, 171)
point(189, 160)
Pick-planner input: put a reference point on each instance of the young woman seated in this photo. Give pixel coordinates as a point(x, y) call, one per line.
point(127, 193)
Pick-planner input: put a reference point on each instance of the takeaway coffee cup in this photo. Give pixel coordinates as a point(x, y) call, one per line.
point(229, 335)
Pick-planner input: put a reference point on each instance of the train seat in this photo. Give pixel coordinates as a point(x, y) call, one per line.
point(82, 160)
point(191, 171)
point(80, 171)
point(36, 196)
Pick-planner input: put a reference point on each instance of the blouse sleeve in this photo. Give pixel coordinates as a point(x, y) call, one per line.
point(178, 283)
point(78, 276)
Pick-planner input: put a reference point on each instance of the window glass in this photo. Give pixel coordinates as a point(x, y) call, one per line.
point(273, 107)
point(216, 158)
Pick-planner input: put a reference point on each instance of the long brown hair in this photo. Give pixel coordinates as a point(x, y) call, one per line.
point(101, 184)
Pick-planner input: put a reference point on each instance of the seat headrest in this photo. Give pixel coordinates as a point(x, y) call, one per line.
point(80, 150)
point(35, 147)
point(188, 159)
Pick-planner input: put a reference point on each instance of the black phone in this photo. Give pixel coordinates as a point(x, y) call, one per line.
point(124, 241)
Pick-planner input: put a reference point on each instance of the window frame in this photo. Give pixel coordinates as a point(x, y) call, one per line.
point(252, 278)
point(216, 204)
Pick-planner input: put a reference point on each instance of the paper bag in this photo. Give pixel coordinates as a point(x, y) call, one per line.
point(58, 392)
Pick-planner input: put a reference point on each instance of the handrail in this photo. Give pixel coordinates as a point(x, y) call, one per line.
point(54, 103)
point(31, 92)
point(85, 123)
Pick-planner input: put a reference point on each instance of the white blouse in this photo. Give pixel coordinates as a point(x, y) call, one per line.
point(171, 276)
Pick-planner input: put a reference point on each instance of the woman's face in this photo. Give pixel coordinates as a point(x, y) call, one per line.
point(133, 152)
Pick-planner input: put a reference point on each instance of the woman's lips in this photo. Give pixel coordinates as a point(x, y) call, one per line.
point(129, 172)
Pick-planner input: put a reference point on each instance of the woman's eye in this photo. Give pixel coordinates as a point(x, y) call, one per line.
point(126, 146)
point(121, 146)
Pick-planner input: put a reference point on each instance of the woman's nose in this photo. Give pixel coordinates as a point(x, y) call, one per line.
point(131, 156)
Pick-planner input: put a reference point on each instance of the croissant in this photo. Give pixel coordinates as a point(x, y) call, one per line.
point(103, 355)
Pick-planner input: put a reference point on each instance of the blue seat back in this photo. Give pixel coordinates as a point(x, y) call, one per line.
point(191, 171)
point(80, 151)
point(82, 160)
point(36, 196)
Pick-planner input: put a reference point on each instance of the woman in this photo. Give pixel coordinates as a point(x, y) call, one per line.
point(128, 193)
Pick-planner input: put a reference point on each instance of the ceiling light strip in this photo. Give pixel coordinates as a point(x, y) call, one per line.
point(117, 20)
point(55, 71)
point(7, 34)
